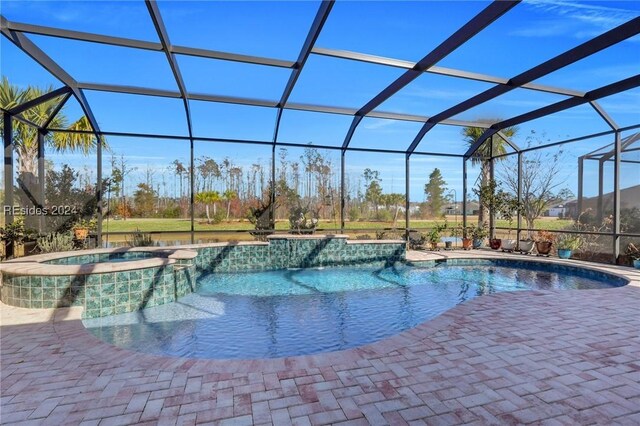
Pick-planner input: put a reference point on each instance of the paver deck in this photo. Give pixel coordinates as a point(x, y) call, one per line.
point(552, 357)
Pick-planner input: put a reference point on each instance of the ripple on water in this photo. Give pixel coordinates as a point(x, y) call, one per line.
point(296, 312)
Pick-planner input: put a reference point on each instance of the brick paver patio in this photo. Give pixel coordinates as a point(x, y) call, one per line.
point(551, 357)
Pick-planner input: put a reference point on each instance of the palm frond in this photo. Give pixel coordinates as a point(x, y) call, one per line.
point(83, 142)
point(472, 134)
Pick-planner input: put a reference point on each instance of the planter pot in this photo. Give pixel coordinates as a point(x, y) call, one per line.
point(434, 246)
point(526, 246)
point(495, 243)
point(81, 233)
point(448, 245)
point(636, 263)
point(466, 243)
point(508, 245)
point(543, 247)
point(477, 243)
point(15, 249)
point(564, 253)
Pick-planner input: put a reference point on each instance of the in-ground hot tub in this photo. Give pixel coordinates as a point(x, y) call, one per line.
point(116, 281)
point(104, 281)
point(118, 256)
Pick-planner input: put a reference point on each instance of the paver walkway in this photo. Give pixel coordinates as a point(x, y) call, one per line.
point(552, 357)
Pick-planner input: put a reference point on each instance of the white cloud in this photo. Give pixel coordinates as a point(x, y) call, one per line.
point(378, 123)
point(580, 20)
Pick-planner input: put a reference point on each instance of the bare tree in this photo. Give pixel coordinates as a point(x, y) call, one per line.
point(209, 171)
point(540, 182)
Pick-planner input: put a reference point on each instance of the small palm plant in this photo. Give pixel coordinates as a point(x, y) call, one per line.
point(209, 198)
point(228, 196)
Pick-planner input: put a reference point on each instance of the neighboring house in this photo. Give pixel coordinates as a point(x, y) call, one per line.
point(559, 210)
point(629, 198)
point(453, 209)
point(473, 207)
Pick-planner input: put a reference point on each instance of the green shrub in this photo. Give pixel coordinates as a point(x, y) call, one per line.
point(171, 212)
point(571, 242)
point(354, 214)
point(55, 242)
point(384, 216)
point(218, 217)
point(140, 239)
point(393, 234)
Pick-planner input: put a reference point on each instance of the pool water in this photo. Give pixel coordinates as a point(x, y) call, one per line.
point(101, 258)
point(296, 312)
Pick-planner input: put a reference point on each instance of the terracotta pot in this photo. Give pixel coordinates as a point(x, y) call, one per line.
point(81, 233)
point(466, 243)
point(434, 246)
point(543, 247)
point(495, 243)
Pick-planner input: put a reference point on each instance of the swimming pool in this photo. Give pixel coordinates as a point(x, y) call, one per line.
point(305, 311)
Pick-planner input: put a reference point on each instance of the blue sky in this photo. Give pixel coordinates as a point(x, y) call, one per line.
point(532, 32)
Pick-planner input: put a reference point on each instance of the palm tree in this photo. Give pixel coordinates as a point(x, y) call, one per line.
point(484, 153)
point(25, 137)
point(207, 198)
point(228, 196)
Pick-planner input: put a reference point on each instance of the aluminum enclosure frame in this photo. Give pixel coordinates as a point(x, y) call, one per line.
point(15, 32)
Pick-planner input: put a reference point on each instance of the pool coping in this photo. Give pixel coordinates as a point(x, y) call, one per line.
point(70, 329)
point(629, 274)
point(35, 266)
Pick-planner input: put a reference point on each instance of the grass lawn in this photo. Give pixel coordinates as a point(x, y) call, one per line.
point(160, 225)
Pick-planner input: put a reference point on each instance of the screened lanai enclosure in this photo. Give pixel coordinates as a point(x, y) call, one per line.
point(221, 121)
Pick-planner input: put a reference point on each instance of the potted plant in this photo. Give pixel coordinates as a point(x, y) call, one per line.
point(433, 236)
point(479, 234)
point(467, 242)
point(634, 254)
point(509, 207)
point(567, 244)
point(13, 236)
point(544, 242)
point(509, 244)
point(492, 200)
point(526, 245)
point(495, 243)
point(455, 235)
point(82, 227)
point(503, 203)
